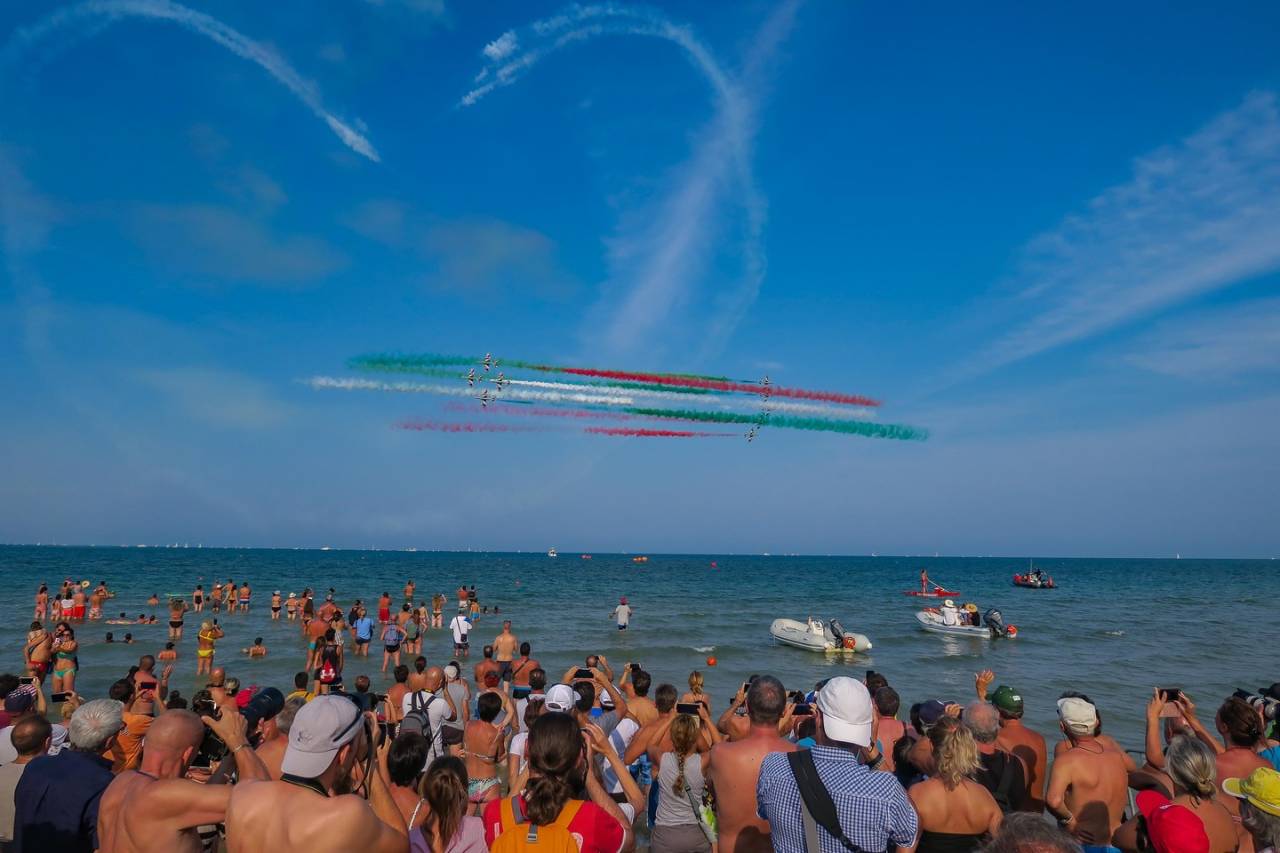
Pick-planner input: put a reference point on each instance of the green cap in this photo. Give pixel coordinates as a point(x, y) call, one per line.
point(1006, 699)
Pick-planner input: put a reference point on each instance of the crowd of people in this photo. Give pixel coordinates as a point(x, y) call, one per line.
point(505, 754)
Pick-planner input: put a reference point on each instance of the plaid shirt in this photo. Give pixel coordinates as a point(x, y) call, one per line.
point(873, 808)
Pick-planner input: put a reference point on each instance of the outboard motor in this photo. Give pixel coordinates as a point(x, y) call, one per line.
point(993, 620)
point(844, 639)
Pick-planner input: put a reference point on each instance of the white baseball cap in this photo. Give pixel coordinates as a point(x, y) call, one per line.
point(321, 727)
point(846, 710)
point(561, 698)
point(1078, 715)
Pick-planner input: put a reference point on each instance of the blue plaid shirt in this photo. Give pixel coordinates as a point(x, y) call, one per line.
point(873, 808)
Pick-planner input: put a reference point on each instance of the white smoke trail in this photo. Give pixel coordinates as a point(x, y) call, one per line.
point(205, 25)
point(329, 382)
point(668, 257)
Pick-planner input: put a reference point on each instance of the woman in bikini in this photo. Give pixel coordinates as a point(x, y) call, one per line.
point(275, 606)
point(216, 597)
point(291, 606)
point(65, 666)
point(68, 603)
point(42, 604)
point(437, 611)
point(209, 634)
point(413, 634)
point(483, 745)
point(36, 653)
point(177, 607)
point(197, 599)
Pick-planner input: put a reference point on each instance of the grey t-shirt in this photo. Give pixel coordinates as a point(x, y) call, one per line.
point(9, 776)
point(458, 691)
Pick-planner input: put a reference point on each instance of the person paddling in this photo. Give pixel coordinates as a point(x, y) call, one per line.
point(924, 581)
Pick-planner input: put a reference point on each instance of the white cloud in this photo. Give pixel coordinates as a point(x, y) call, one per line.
point(1220, 344)
point(1196, 216)
point(217, 397)
point(502, 47)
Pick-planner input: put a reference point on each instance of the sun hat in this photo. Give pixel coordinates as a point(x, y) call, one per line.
point(622, 600)
point(846, 710)
point(321, 727)
point(293, 595)
point(948, 603)
point(1079, 716)
point(561, 698)
point(451, 672)
point(1006, 699)
point(1261, 788)
point(1171, 828)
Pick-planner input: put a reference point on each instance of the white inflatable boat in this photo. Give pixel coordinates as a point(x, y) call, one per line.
point(993, 626)
point(816, 636)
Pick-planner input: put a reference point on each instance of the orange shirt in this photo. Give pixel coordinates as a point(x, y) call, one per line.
point(127, 752)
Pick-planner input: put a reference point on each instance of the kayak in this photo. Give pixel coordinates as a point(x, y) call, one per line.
point(1032, 582)
point(815, 636)
point(937, 593)
point(930, 619)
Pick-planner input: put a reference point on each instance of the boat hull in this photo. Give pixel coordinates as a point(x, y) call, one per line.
point(934, 625)
point(790, 632)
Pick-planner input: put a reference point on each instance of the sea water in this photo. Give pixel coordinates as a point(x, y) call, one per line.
point(1113, 629)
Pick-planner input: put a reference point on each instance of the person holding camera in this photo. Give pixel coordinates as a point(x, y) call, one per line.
point(333, 750)
point(155, 807)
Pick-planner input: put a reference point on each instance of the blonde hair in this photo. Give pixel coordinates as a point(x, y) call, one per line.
point(684, 739)
point(955, 752)
point(695, 683)
point(1192, 767)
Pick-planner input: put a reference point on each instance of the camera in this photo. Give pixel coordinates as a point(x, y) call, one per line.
point(264, 705)
point(1263, 702)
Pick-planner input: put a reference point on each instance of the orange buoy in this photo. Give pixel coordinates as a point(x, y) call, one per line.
point(711, 661)
point(1013, 631)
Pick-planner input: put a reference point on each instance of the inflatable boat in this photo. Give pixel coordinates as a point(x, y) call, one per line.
point(815, 636)
point(993, 626)
point(1034, 581)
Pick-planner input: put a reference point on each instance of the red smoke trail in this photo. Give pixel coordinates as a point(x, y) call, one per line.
point(712, 384)
point(655, 433)
point(437, 426)
point(544, 412)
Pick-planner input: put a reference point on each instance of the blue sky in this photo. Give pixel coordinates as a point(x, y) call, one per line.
point(1051, 236)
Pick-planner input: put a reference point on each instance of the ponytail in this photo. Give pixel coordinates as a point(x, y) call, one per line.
point(555, 749)
point(444, 787)
point(1192, 766)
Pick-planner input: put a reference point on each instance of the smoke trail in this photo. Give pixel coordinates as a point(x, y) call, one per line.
point(205, 25)
point(655, 433)
point(437, 426)
point(900, 432)
point(397, 363)
point(329, 382)
point(715, 385)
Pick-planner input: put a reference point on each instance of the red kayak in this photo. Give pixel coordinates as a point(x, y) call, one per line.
point(937, 593)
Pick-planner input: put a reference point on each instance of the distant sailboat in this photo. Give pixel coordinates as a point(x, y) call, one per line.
point(551, 552)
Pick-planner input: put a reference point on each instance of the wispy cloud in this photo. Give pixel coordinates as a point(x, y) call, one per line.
point(94, 13)
point(1195, 217)
point(209, 244)
point(217, 397)
point(659, 255)
point(1223, 343)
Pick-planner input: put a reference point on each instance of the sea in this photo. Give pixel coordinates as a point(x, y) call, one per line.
point(1113, 629)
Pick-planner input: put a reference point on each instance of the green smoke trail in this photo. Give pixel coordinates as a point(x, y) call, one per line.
point(438, 365)
point(396, 363)
point(899, 432)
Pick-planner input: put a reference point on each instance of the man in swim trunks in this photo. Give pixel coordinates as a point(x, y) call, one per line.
point(463, 604)
point(408, 591)
point(96, 599)
point(216, 596)
point(169, 654)
point(77, 604)
point(505, 646)
point(245, 593)
point(1088, 785)
point(384, 608)
point(622, 613)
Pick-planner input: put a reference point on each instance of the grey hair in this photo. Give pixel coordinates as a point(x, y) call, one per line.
point(983, 721)
point(284, 720)
point(1264, 827)
point(1023, 831)
point(94, 723)
point(1192, 766)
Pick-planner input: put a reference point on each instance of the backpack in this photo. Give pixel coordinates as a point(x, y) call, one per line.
point(417, 719)
point(328, 666)
point(520, 836)
point(1002, 771)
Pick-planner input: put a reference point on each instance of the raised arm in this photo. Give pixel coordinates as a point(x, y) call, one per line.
point(619, 701)
point(738, 700)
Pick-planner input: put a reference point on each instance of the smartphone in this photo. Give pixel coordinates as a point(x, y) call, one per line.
point(1171, 694)
point(870, 673)
point(148, 685)
point(59, 697)
point(746, 685)
point(583, 674)
point(202, 761)
point(688, 708)
point(635, 667)
point(802, 709)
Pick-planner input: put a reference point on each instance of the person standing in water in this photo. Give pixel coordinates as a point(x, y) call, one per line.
point(197, 599)
point(924, 581)
point(622, 613)
point(209, 634)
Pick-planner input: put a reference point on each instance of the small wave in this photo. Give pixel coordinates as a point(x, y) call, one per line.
point(1114, 633)
point(704, 648)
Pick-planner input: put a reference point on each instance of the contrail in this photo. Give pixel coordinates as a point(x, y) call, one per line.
point(670, 252)
point(655, 433)
point(205, 25)
point(329, 382)
point(900, 432)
